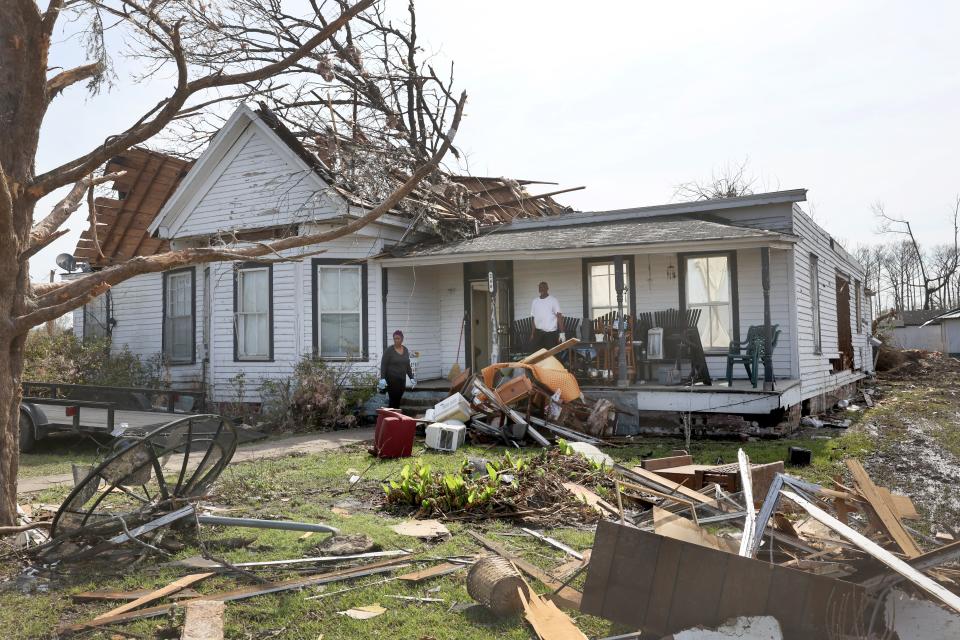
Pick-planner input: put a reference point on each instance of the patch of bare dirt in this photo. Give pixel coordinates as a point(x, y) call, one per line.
point(917, 430)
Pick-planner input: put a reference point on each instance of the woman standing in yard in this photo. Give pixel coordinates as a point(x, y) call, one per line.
point(394, 369)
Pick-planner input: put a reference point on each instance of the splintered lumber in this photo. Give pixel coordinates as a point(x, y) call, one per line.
point(644, 477)
point(749, 524)
point(431, 572)
point(97, 596)
point(162, 592)
point(590, 498)
point(542, 354)
point(547, 620)
point(516, 417)
point(204, 620)
point(929, 560)
point(884, 509)
point(878, 552)
point(567, 597)
point(902, 505)
point(383, 566)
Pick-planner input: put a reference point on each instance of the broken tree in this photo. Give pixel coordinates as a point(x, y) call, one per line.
point(217, 54)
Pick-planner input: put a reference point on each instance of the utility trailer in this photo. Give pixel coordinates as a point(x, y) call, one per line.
point(48, 408)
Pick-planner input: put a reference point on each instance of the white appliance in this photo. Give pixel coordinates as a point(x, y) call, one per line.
point(445, 437)
point(655, 343)
point(456, 407)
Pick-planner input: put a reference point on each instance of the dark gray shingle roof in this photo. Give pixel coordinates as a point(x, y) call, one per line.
point(583, 236)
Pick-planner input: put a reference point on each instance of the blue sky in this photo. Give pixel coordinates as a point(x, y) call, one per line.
point(855, 101)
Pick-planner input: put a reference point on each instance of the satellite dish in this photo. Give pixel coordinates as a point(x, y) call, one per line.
point(67, 262)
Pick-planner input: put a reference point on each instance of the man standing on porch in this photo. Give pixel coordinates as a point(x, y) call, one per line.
point(547, 320)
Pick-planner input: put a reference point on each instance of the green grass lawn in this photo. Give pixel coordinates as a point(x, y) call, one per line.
point(306, 487)
point(54, 455)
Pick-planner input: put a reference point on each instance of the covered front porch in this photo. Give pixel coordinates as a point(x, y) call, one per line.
point(655, 303)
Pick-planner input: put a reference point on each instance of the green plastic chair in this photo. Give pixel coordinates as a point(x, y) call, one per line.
point(750, 352)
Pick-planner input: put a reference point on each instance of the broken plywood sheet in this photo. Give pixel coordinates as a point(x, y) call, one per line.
point(547, 620)
point(421, 529)
point(661, 586)
point(204, 620)
point(679, 528)
point(364, 613)
point(884, 509)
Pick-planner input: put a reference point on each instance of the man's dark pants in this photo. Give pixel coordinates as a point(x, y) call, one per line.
point(544, 340)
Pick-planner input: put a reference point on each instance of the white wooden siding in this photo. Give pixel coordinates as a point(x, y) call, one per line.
point(563, 276)
point(413, 306)
point(816, 375)
point(449, 279)
point(137, 307)
point(256, 185)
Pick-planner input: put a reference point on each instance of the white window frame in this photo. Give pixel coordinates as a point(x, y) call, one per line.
point(169, 278)
point(595, 311)
point(319, 313)
point(239, 327)
point(815, 303)
point(705, 307)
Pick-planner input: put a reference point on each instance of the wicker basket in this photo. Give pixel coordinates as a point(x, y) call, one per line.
point(494, 582)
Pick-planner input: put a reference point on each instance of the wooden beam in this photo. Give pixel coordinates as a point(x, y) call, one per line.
point(171, 588)
point(534, 358)
point(668, 486)
point(241, 594)
point(928, 560)
point(878, 552)
point(887, 515)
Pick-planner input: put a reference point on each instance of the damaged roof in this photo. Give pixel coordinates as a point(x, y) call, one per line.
point(583, 235)
point(122, 223)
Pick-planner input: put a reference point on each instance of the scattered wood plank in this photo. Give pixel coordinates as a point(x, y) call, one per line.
point(867, 398)
point(565, 596)
point(644, 477)
point(383, 566)
point(542, 354)
point(590, 497)
point(162, 592)
point(882, 507)
point(547, 620)
point(902, 505)
point(750, 521)
point(655, 464)
point(204, 620)
point(928, 560)
point(431, 572)
point(97, 596)
point(878, 552)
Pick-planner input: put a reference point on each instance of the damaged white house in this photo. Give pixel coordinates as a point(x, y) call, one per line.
point(722, 266)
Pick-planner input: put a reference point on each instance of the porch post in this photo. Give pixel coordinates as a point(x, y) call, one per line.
point(494, 325)
point(618, 284)
point(767, 330)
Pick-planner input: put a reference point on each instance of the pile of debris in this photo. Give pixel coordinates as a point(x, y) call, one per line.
point(820, 561)
point(518, 401)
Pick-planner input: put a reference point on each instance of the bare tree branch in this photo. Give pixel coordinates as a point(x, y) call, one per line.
point(41, 231)
point(64, 79)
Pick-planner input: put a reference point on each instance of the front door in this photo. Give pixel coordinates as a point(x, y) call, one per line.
point(844, 331)
point(482, 322)
point(479, 325)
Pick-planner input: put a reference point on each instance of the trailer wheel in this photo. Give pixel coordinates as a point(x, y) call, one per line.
point(27, 436)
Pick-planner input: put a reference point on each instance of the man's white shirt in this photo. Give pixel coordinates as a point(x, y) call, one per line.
point(544, 312)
